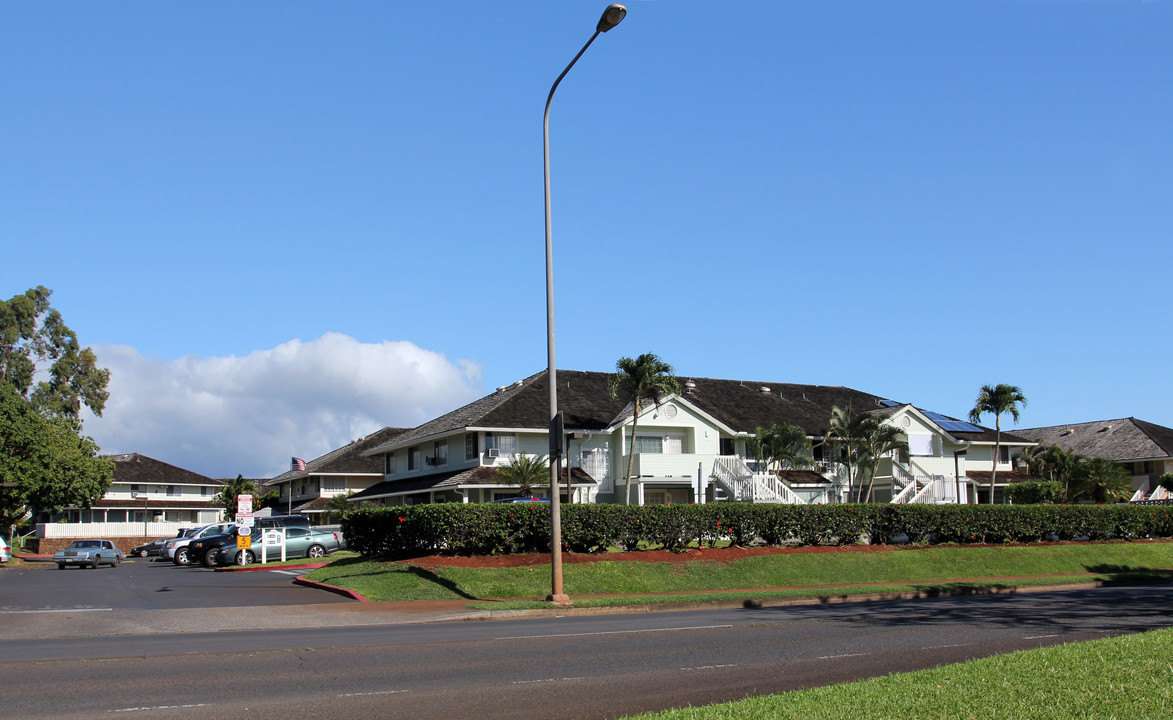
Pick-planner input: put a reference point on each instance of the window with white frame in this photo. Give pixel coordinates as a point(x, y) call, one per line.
point(440, 452)
point(174, 491)
point(503, 443)
point(333, 483)
point(413, 458)
point(470, 446)
point(650, 444)
point(389, 464)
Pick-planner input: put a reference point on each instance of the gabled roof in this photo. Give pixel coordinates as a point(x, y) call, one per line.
point(584, 399)
point(139, 469)
point(985, 436)
point(1123, 440)
point(348, 459)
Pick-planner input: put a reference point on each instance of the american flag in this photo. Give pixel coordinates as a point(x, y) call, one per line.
point(297, 465)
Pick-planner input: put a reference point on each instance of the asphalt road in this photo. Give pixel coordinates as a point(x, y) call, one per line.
point(146, 584)
point(570, 667)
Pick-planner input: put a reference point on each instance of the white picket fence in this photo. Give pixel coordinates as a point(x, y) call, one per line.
point(110, 529)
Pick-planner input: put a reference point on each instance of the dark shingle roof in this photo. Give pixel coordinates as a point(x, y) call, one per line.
point(586, 403)
point(139, 469)
point(484, 476)
point(1122, 440)
point(347, 459)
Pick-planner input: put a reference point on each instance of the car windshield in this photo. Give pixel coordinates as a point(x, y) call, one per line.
point(86, 544)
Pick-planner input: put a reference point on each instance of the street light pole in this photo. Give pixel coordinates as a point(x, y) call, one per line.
point(612, 16)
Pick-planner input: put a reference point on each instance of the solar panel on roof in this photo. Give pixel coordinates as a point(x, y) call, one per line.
point(950, 425)
point(889, 403)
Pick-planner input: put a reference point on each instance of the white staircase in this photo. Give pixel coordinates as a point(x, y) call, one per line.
point(744, 485)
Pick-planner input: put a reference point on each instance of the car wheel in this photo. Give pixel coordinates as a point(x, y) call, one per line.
point(316, 551)
point(142, 553)
point(182, 557)
point(209, 558)
point(249, 558)
point(97, 561)
point(114, 563)
point(60, 566)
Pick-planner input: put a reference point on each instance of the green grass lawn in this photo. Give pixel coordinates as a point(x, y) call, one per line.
point(1128, 677)
point(913, 568)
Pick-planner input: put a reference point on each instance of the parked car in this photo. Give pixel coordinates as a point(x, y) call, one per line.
point(300, 542)
point(154, 547)
point(176, 550)
point(198, 549)
point(523, 500)
point(88, 553)
point(5, 551)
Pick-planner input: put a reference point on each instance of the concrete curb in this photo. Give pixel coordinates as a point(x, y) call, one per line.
point(330, 588)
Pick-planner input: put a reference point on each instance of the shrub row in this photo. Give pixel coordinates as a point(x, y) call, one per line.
point(489, 529)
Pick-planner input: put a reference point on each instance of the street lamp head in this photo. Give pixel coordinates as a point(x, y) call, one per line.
point(612, 16)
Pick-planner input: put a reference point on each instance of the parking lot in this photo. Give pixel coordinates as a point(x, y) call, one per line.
point(148, 584)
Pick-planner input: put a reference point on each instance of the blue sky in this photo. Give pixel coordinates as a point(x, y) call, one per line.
point(285, 224)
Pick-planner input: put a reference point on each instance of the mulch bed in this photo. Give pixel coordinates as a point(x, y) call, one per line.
point(720, 555)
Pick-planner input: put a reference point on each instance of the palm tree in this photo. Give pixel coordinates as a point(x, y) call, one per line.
point(646, 378)
point(878, 440)
point(845, 434)
point(997, 400)
point(232, 489)
point(782, 446)
point(338, 506)
point(525, 471)
point(1102, 480)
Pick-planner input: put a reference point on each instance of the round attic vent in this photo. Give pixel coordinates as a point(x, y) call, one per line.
point(670, 411)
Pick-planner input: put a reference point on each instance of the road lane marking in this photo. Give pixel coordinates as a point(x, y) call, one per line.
point(376, 692)
point(708, 667)
point(837, 657)
point(1039, 637)
point(60, 610)
point(546, 680)
point(614, 632)
point(159, 707)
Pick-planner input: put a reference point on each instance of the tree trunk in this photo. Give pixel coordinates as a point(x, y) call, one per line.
point(631, 450)
point(997, 453)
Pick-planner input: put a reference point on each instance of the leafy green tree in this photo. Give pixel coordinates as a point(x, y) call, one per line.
point(997, 400)
point(647, 378)
point(1102, 480)
point(525, 471)
point(45, 462)
point(338, 506)
point(1167, 481)
point(36, 343)
point(1036, 492)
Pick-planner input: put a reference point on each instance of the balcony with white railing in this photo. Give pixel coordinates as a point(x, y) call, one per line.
point(682, 465)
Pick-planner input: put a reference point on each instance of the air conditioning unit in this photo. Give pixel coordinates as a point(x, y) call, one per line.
point(492, 452)
point(431, 461)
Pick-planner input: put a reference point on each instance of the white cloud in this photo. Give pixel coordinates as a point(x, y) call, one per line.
point(222, 416)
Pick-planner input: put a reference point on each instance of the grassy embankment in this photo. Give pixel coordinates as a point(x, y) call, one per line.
point(934, 569)
point(1126, 677)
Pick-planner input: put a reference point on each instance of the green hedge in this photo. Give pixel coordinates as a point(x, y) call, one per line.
point(490, 529)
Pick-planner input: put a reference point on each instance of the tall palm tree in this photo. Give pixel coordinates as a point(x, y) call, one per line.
point(525, 471)
point(845, 434)
point(997, 400)
point(646, 378)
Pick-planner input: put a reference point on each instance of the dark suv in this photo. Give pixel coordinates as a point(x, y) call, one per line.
point(205, 549)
